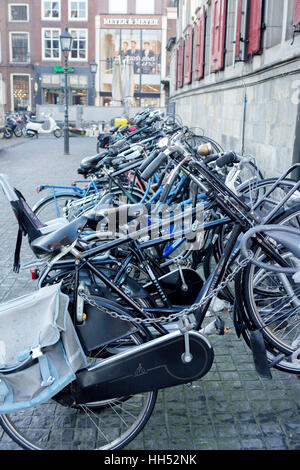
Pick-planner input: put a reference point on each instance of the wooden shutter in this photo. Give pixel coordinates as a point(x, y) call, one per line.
point(238, 28)
point(180, 63)
point(188, 55)
point(218, 32)
point(200, 44)
point(255, 26)
point(296, 18)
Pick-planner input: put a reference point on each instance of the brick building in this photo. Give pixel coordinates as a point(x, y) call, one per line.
point(235, 69)
point(31, 62)
point(31, 56)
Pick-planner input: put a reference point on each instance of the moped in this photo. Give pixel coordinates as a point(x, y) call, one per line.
point(12, 127)
point(47, 126)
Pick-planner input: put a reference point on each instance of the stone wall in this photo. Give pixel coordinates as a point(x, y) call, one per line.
point(270, 116)
point(269, 83)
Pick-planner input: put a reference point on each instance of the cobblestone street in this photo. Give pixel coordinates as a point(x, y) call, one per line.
point(231, 408)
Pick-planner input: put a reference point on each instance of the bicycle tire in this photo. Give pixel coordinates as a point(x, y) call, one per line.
point(55, 438)
point(273, 326)
point(272, 354)
point(49, 201)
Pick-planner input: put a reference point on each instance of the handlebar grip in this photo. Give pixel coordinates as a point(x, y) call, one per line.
point(211, 158)
point(227, 159)
point(151, 169)
point(149, 160)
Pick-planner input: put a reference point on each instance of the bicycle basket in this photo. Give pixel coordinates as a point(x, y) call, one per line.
point(39, 349)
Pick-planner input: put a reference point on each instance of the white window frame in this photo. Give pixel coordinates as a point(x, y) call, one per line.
point(71, 59)
point(12, 90)
point(10, 47)
point(46, 18)
point(145, 2)
point(86, 10)
point(50, 59)
point(15, 5)
point(115, 11)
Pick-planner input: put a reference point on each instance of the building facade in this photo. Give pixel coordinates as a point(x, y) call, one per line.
point(133, 33)
point(235, 76)
point(31, 60)
point(108, 31)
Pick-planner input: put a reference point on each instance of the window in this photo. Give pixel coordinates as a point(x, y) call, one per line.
point(79, 44)
point(20, 86)
point(130, 65)
point(145, 7)
point(19, 47)
point(51, 45)
point(78, 10)
point(118, 6)
point(18, 12)
point(239, 8)
point(51, 10)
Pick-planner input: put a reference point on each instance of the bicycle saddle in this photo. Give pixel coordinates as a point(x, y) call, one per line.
point(90, 163)
point(54, 241)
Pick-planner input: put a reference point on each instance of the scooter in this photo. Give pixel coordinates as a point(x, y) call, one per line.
point(12, 127)
point(48, 126)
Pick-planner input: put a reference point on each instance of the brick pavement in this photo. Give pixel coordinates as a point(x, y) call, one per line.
point(231, 408)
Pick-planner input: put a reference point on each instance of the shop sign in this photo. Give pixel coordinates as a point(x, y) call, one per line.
point(59, 69)
point(131, 21)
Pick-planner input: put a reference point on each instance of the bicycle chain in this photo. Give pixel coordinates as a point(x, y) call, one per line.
point(173, 316)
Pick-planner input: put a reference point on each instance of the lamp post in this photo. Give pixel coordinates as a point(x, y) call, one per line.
point(93, 70)
point(66, 44)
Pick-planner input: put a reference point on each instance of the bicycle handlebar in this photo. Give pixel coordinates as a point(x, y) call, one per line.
point(149, 160)
point(154, 165)
point(222, 159)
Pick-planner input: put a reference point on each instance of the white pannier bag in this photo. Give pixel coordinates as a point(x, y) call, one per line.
point(39, 349)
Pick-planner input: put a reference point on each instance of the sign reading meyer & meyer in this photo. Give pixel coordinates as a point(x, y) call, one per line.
point(134, 21)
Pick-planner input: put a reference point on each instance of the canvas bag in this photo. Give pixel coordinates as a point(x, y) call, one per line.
point(39, 349)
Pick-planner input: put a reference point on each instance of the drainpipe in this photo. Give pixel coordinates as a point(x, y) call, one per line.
point(296, 154)
point(244, 120)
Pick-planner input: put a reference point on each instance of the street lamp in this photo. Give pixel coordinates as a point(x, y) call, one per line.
point(93, 70)
point(66, 45)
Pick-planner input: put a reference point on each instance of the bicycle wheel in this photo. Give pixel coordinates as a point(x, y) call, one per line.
point(252, 193)
point(127, 196)
point(272, 300)
point(50, 207)
point(273, 354)
point(255, 191)
point(103, 425)
point(18, 132)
